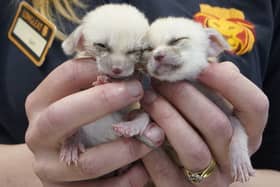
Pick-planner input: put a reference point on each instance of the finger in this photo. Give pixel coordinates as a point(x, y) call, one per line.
point(135, 176)
point(69, 77)
point(216, 179)
point(204, 115)
point(250, 103)
point(95, 162)
point(163, 171)
point(191, 149)
point(61, 118)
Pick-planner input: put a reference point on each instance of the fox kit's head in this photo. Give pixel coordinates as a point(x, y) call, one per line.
point(114, 35)
point(179, 48)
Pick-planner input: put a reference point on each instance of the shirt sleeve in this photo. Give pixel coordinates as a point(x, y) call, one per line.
point(268, 156)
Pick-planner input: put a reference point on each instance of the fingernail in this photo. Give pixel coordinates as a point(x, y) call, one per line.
point(149, 97)
point(134, 89)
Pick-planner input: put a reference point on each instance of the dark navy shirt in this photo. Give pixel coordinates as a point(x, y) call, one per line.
point(19, 76)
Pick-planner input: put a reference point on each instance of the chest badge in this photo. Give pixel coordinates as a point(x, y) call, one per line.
point(31, 33)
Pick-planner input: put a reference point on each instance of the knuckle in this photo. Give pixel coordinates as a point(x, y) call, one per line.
point(253, 147)
point(29, 104)
point(162, 171)
point(47, 122)
point(166, 114)
point(232, 76)
point(30, 138)
point(199, 155)
point(200, 152)
point(87, 167)
point(221, 127)
point(71, 71)
point(105, 98)
point(132, 150)
point(181, 90)
point(261, 104)
point(40, 169)
point(230, 66)
point(131, 182)
point(49, 119)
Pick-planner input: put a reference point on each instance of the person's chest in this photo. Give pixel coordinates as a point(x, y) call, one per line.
point(20, 76)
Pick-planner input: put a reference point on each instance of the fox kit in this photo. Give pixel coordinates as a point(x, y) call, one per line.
point(179, 50)
point(113, 36)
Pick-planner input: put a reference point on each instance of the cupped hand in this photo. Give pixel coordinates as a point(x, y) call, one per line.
point(198, 130)
point(61, 104)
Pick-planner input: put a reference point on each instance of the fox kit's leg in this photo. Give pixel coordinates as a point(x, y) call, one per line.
point(71, 148)
point(241, 165)
point(140, 127)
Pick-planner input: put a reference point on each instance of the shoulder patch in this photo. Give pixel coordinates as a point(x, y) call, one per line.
point(231, 23)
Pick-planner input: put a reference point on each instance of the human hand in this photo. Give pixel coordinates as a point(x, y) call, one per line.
point(64, 102)
point(198, 130)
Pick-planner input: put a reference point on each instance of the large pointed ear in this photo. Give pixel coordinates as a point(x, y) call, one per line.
point(74, 41)
point(218, 43)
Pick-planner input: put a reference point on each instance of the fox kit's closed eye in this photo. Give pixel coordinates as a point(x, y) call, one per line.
point(179, 50)
point(113, 36)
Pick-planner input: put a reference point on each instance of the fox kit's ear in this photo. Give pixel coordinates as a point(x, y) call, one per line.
point(74, 41)
point(218, 43)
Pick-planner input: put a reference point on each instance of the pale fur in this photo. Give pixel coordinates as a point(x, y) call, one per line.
point(121, 28)
point(163, 30)
point(191, 56)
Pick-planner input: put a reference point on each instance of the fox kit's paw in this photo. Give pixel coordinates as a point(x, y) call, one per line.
point(101, 79)
point(141, 128)
point(126, 129)
point(152, 135)
point(138, 122)
point(71, 149)
point(242, 168)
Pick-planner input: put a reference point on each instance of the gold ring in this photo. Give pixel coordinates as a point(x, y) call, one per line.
point(197, 177)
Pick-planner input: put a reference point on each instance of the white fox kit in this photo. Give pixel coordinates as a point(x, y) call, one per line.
point(113, 35)
point(179, 50)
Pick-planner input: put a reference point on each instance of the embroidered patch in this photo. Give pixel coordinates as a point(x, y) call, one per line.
point(231, 23)
point(32, 33)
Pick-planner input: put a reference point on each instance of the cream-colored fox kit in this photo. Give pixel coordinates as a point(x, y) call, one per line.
point(180, 50)
point(113, 35)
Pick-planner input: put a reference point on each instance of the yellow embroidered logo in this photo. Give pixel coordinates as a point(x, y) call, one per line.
point(231, 23)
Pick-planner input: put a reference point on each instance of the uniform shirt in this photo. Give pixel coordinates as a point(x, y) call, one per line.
point(19, 76)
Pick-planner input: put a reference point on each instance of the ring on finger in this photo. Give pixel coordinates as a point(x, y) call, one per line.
point(198, 176)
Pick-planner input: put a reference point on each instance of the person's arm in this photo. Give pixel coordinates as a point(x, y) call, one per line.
point(16, 167)
point(263, 178)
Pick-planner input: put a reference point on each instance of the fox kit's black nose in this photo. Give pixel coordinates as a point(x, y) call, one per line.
point(117, 71)
point(159, 58)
